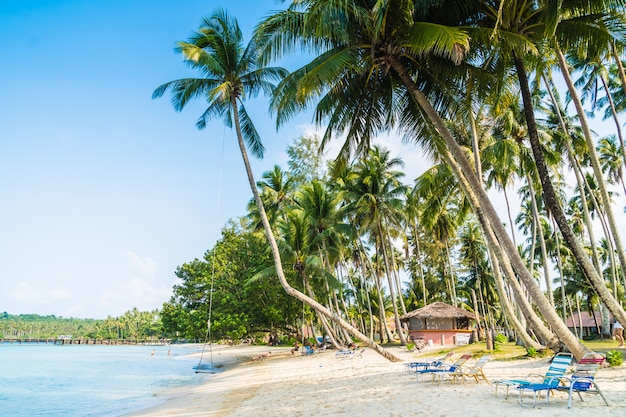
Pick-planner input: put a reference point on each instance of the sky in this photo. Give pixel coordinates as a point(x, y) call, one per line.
point(104, 192)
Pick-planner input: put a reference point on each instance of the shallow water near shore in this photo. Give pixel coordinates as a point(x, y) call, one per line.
point(91, 381)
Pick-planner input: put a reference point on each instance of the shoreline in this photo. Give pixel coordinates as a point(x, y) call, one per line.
point(324, 385)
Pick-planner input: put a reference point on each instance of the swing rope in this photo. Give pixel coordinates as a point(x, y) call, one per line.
point(207, 338)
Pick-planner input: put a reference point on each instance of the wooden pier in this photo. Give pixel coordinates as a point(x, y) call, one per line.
point(66, 341)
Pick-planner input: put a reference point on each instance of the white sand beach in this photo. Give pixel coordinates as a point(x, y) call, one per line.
point(323, 385)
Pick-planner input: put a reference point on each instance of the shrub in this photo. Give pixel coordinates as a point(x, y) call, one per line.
point(531, 352)
point(614, 357)
point(500, 338)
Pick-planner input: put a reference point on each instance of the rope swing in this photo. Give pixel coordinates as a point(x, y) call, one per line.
point(209, 367)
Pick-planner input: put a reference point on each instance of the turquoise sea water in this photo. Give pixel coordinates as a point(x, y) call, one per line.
point(90, 380)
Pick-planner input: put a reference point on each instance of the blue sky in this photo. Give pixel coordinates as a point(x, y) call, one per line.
point(104, 191)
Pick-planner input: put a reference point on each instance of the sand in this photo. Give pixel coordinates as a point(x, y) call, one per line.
point(324, 385)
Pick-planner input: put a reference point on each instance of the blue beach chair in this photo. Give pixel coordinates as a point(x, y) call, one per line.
point(448, 369)
point(557, 369)
point(434, 363)
point(583, 378)
point(551, 382)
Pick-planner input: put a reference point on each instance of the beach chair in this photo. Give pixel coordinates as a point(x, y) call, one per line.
point(349, 353)
point(557, 369)
point(550, 383)
point(434, 363)
point(476, 371)
point(448, 369)
point(583, 378)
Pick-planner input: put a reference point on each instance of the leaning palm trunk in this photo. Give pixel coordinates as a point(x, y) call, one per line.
point(327, 329)
point(542, 241)
point(277, 262)
point(484, 204)
point(496, 254)
point(592, 275)
point(520, 330)
point(579, 177)
point(545, 335)
point(509, 312)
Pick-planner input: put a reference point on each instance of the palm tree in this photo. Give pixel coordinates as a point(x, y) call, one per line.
point(277, 190)
point(233, 73)
point(519, 28)
point(610, 159)
point(376, 200)
point(377, 66)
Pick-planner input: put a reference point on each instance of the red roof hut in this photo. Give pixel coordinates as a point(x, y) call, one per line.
point(440, 323)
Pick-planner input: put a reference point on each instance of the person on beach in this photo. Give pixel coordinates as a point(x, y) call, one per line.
point(296, 347)
point(618, 333)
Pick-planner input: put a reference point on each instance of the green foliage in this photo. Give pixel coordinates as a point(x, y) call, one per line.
point(614, 357)
point(133, 324)
point(531, 352)
point(241, 306)
point(501, 338)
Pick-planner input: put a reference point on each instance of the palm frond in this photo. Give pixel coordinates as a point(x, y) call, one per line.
point(250, 134)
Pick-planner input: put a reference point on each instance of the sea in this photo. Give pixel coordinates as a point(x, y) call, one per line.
point(92, 380)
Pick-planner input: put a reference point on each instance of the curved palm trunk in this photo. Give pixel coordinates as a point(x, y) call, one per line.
point(496, 253)
point(594, 278)
point(277, 262)
point(520, 329)
point(579, 178)
point(484, 204)
point(543, 333)
point(327, 330)
point(507, 307)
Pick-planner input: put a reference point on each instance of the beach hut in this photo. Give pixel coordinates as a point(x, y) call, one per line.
point(440, 323)
point(585, 321)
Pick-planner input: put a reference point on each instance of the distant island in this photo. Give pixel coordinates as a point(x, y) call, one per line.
point(134, 324)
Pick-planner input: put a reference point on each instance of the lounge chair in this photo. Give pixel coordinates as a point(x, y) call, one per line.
point(349, 353)
point(308, 350)
point(476, 371)
point(557, 369)
point(434, 363)
point(583, 378)
point(549, 384)
point(448, 369)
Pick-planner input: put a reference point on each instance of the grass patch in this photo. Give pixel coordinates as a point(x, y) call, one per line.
point(505, 351)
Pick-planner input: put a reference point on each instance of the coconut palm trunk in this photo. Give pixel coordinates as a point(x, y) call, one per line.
point(276, 254)
point(483, 204)
point(579, 176)
point(550, 197)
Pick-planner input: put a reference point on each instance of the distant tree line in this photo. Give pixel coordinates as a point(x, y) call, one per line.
point(133, 324)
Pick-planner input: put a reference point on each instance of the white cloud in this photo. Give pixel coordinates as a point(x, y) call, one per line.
point(147, 266)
